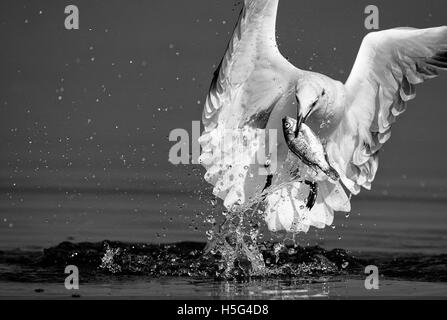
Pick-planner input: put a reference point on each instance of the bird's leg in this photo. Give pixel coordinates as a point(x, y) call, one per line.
point(311, 199)
point(269, 182)
point(313, 192)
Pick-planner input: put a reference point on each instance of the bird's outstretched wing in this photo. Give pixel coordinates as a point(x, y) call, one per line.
point(252, 77)
point(252, 73)
point(388, 66)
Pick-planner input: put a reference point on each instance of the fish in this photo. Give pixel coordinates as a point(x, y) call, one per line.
point(307, 147)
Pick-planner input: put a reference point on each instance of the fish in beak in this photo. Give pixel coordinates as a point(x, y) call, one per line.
point(307, 147)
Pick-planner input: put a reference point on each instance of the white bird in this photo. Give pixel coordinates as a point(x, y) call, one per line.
point(255, 87)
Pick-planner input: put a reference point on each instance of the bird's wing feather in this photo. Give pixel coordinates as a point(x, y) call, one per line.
point(388, 66)
point(251, 79)
point(252, 72)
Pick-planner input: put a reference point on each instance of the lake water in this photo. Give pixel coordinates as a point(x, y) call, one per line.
point(404, 236)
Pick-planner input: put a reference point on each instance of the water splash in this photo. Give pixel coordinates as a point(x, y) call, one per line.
point(107, 261)
point(113, 260)
point(236, 241)
point(242, 252)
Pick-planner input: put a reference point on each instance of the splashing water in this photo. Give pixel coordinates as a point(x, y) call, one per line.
point(236, 241)
point(104, 261)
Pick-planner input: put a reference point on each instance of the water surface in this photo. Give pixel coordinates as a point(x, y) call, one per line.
point(146, 254)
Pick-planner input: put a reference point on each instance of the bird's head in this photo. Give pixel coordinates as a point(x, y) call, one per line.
point(311, 96)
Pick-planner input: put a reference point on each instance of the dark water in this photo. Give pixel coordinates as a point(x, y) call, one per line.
point(154, 253)
point(184, 270)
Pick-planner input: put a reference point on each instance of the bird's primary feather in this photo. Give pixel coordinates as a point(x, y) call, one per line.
point(251, 81)
point(389, 65)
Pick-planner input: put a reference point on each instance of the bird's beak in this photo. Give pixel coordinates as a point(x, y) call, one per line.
point(301, 117)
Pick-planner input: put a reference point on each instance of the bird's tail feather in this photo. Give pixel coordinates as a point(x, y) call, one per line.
point(286, 207)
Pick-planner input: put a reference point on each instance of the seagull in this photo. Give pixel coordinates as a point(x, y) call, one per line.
point(255, 87)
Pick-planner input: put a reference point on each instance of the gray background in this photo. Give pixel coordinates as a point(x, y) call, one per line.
point(90, 110)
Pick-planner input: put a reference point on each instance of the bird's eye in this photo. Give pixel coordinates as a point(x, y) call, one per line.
point(315, 103)
point(287, 125)
point(323, 93)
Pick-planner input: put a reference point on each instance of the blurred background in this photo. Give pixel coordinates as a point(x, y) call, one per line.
point(85, 117)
